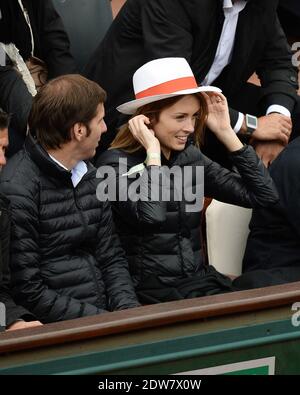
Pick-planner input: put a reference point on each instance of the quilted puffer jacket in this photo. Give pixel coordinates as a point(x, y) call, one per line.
point(13, 312)
point(66, 259)
point(164, 239)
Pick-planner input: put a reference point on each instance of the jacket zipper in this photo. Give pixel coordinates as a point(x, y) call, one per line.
point(87, 255)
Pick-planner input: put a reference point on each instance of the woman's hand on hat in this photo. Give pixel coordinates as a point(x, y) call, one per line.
point(143, 134)
point(218, 121)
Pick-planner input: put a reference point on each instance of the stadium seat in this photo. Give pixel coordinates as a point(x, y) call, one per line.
point(227, 231)
point(86, 22)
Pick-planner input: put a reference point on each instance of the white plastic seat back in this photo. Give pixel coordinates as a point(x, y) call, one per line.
point(227, 228)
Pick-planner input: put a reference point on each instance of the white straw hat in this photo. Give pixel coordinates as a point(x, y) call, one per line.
point(160, 79)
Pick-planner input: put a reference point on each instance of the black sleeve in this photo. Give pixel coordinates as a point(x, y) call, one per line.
point(285, 172)
point(55, 42)
point(13, 312)
point(15, 99)
point(167, 30)
point(234, 116)
point(252, 186)
point(279, 79)
point(112, 261)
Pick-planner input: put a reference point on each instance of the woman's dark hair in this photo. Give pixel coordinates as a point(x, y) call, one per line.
point(60, 104)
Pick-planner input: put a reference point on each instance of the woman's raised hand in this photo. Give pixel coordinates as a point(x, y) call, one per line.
point(218, 121)
point(142, 133)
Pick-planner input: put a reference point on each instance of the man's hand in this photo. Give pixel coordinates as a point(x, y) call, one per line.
point(273, 127)
point(268, 150)
point(23, 325)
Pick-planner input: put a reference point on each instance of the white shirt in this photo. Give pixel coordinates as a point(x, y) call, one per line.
point(227, 38)
point(225, 50)
point(78, 171)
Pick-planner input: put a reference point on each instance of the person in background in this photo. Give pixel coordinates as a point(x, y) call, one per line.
point(225, 42)
point(16, 317)
point(34, 47)
point(272, 254)
point(66, 258)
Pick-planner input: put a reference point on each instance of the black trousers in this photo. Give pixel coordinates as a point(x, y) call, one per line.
point(246, 101)
point(16, 100)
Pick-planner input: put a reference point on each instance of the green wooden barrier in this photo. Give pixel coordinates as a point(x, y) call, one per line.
point(253, 332)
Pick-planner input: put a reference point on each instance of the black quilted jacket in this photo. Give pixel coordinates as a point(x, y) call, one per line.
point(66, 259)
point(13, 312)
point(162, 238)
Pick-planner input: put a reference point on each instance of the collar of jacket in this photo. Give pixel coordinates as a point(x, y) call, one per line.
point(189, 155)
point(258, 3)
point(45, 164)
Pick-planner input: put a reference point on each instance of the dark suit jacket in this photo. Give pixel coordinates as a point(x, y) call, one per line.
point(291, 5)
point(51, 42)
point(149, 29)
point(272, 253)
point(289, 15)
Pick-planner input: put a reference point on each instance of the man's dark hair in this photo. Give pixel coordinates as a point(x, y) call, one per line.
point(4, 119)
point(60, 104)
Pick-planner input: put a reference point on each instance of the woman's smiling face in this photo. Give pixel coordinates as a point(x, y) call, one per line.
point(176, 123)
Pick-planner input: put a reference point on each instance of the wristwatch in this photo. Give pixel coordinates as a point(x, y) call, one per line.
point(251, 123)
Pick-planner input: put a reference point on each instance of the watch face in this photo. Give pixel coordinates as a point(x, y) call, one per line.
point(251, 121)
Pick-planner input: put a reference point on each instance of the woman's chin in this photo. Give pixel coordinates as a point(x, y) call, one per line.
point(179, 147)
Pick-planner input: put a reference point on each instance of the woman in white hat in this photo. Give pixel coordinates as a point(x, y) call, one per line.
point(162, 236)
